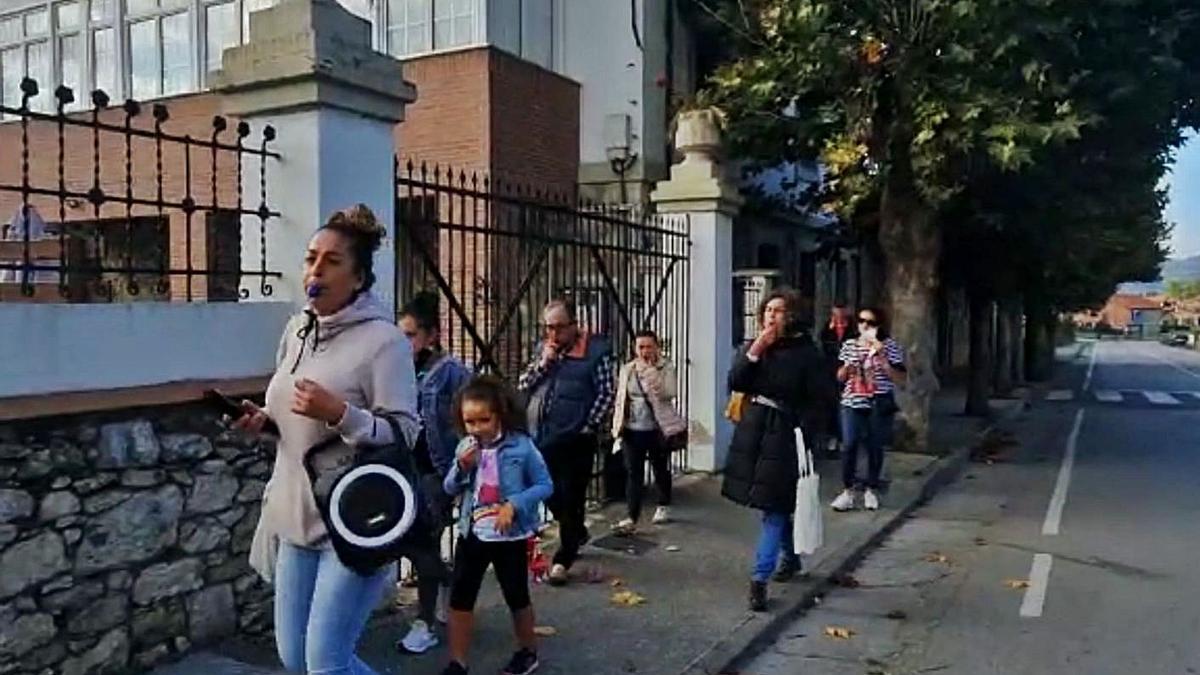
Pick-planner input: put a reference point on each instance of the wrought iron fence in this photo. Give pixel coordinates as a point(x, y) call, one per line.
point(497, 252)
point(125, 209)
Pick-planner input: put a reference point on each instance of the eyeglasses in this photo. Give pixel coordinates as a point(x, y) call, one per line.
point(556, 327)
point(868, 322)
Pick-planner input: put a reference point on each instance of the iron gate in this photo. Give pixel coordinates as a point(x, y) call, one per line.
point(496, 253)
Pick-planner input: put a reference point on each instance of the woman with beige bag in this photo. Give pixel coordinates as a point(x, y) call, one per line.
point(647, 426)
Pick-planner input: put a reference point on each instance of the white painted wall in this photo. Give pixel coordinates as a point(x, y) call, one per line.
point(599, 52)
point(61, 348)
point(331, 160)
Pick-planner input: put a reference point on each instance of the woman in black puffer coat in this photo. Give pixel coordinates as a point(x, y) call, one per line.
point(784, 379)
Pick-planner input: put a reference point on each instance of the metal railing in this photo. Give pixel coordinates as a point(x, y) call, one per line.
point(132, 205)
point(497, 252)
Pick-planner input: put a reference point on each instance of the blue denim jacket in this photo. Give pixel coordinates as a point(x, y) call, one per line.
point(436, 386)
point(524, 482)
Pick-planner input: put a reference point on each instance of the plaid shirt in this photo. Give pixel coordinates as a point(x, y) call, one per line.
point(603, 377)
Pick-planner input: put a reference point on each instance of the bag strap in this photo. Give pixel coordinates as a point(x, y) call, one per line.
point(649, 403)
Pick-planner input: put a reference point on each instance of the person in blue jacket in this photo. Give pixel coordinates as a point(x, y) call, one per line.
point(439, 377)
point(502, 480)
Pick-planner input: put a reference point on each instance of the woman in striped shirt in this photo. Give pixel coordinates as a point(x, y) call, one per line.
point(872, 365)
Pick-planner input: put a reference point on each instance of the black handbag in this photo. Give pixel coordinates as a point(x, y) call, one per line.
point(370, 499)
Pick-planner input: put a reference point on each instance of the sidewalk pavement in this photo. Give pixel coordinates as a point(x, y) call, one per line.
point(693, 574)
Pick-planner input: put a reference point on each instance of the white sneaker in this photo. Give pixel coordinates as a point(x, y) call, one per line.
point(441, 611)
point(558, 575)
point(844, 501)
point(870, 500)
point(625, 527)
point(662, 515)
point(419, 639)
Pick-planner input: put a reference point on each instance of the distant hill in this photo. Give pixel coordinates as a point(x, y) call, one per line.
point(1180, 269)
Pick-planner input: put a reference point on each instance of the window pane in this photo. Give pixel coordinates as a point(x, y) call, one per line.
point(11, 30)
point(102, 10)
point(177, 54)
point(140, 6)
point(537, 33)
point(418, 38)
point(222, 25)
point(143, 57)
point(174, 4)
point(69, 15)
point(12, 69)
point(37, 23)
point(70, 49)
point(104, 61)
point(251, 6)
point(37, 66)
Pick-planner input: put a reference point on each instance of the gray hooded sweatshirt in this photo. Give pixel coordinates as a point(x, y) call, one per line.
point(359, 355)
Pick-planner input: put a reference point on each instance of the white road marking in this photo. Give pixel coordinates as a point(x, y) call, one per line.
point(1087, 381)
point(1039, 580)
point(1160, 398)
point(1060, 395)
point(1108, 396)
point(1176, 366)
point(1058, 500)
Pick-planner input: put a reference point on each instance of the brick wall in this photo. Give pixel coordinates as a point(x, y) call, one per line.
point(534, 124)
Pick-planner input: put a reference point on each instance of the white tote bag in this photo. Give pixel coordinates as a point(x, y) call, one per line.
point(807, 527)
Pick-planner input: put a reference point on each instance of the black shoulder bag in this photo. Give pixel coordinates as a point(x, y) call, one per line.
point(369, 497)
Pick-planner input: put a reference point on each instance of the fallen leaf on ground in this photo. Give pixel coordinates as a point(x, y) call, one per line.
point(1017, 583)
point(673, 549)
point(839, 632)
point(897, 615)
point(936, 557)
point(628, 599)
point(616, 583)
point(545, 631)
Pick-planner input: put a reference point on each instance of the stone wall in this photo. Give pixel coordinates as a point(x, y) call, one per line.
point(123, 539)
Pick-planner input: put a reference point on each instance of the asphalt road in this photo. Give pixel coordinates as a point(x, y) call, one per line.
point(1077, 550)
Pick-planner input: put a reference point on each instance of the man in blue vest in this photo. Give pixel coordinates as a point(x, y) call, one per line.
point(571, 388)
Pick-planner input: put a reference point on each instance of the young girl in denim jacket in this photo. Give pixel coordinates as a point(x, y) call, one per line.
point(502, 479)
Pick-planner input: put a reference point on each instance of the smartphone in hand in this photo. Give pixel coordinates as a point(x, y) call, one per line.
point(233, 408)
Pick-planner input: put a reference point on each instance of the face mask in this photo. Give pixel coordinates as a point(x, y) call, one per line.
point(870, 333)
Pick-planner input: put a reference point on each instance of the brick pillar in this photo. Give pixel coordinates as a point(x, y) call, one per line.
point(699, 188)
point(309, 71)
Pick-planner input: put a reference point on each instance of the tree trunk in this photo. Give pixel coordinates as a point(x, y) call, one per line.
point(912, 245)
point(1039, 342)
point(1003, 373)
point(1017, 319)
point(980, 358)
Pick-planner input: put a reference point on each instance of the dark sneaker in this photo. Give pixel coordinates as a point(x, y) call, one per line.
point(758, 596)
point(521, 663)
point(455, 668)
point(788, 570)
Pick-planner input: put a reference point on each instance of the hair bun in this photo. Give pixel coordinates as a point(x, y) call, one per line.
point(360, 220)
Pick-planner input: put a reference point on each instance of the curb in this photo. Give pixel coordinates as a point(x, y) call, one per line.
point(746, 641)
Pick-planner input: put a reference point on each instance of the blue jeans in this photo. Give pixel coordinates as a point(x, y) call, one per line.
point(868, 429)
point(321, 607)
point(775, 543)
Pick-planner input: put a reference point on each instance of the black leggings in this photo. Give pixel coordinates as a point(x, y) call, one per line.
point(471, 560)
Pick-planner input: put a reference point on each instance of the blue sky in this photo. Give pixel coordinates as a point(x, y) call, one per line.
point(1184, 209)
